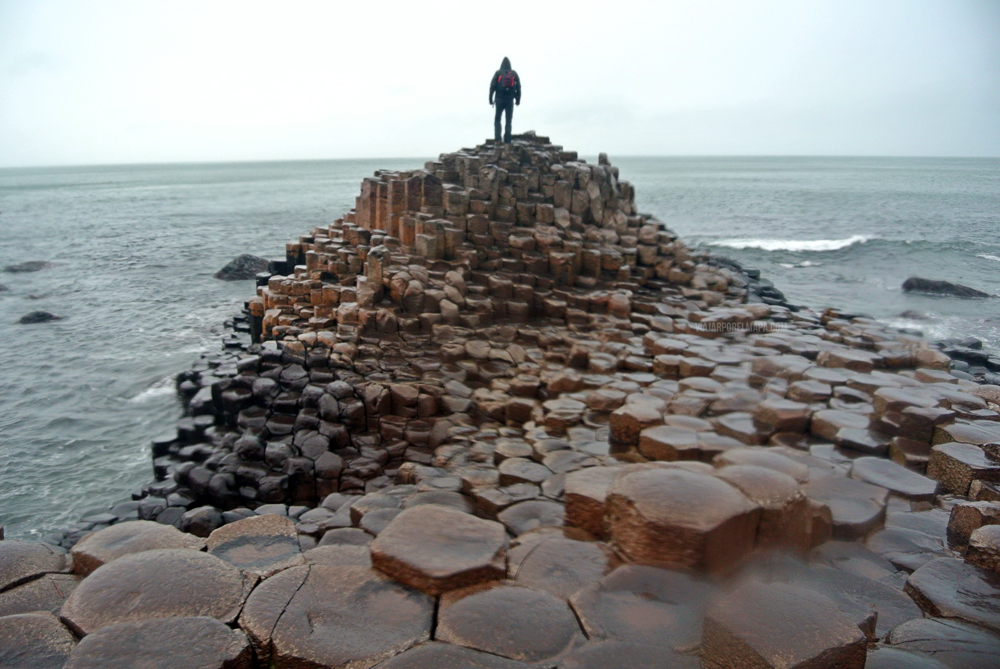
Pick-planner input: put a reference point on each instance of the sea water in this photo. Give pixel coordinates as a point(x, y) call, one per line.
point(133, 250)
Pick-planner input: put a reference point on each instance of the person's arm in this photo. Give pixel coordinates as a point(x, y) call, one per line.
point(517, 94)
point(493, 88)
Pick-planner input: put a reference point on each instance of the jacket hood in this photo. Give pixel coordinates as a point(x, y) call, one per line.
point(505, 65)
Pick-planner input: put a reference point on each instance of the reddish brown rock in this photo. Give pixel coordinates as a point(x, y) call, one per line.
point(767, 457)
point(826, 424)
point(951, 588)
point(857, 508)
point(262, 545)
point(893, 477)
point(785, 516)
point(956, 465)
point(967, 517)
point(434, 549)
point(585, 494)
point(34, 641)
point(46, 593)
point(644, 605)
point(984, 548)
point(160, 583)
point(507, 620)
point(447, 656)
point(164, 644)
point(21, 561)
point(763, 626)
point(956, 644)
point(628, 422)
point(526, 516)
point(670, 516)
point(561, 566)
point(619, 655)
point(781, 415)
point(319, 616)
point(666, 442)
point(98, 548)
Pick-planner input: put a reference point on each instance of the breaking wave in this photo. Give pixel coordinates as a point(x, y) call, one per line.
point(793, 244)
point(987, 256)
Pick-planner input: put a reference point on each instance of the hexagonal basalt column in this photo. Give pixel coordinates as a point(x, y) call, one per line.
point(667, 515)
point(435, 548)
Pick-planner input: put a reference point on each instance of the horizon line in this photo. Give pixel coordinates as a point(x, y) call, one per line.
point(427, 158)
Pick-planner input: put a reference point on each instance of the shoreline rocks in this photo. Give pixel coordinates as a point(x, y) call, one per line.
point(497, 391)
point(243, 267)
point(935, 287)
point(38, 317)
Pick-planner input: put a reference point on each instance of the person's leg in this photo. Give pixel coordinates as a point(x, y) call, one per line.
point(509, 109)
point(496, 119)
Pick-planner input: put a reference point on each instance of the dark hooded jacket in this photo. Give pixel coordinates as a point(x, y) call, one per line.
point(497, 90)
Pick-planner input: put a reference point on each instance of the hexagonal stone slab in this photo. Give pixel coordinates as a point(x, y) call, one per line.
point(34, 641)
point(955, 465)
point(951, 588)
point(508, 620)
point(762, 625)
point(887, 657)
point(318, 616)
point(22, 561)
point(764, 457)
point(619, 655)
point(447, 656)
point(135, 536)
point(857, 508)
point(47, 593)
point(644, 605)
point(896, 478)
point(585, 494)
point(436, 548)
point(262, 545)
point(561, 566)
point(526, 516)
point(984, 548)
point(670, 516)
point(164, 644)
point(162, 583)
point(784, 519)
point(956, 644)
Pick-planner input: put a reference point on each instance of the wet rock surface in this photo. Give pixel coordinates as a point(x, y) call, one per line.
point(242, 267)
point(164, 644)
point(38, 317)
point(157, 584)
point(34, 641)
point(103, 546)
point(496, 390)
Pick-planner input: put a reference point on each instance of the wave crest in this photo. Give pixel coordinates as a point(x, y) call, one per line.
point(987, 256)
point(793, 244)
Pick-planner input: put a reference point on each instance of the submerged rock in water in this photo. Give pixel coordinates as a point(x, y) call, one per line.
point(242, 267)
point(38, 317)
point(29, 266)
point(3, 288)
point(917, 285)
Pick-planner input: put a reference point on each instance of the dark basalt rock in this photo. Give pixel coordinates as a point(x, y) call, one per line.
point(933, 287)
point(29, 266)
point(242, 267)
point(38, 317)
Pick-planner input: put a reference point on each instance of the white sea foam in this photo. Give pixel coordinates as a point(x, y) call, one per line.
point(161, 388)
point(793, 244)
point(987, 256)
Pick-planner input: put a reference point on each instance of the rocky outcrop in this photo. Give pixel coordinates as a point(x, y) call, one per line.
point(242, 267)
point(934, 287)
point(496, 391)
point(38, 317)
point(27, 266)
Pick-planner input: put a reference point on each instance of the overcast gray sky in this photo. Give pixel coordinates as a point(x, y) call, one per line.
point(151, 81)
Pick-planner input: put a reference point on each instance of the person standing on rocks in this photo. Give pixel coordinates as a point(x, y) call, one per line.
point(506, 89)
